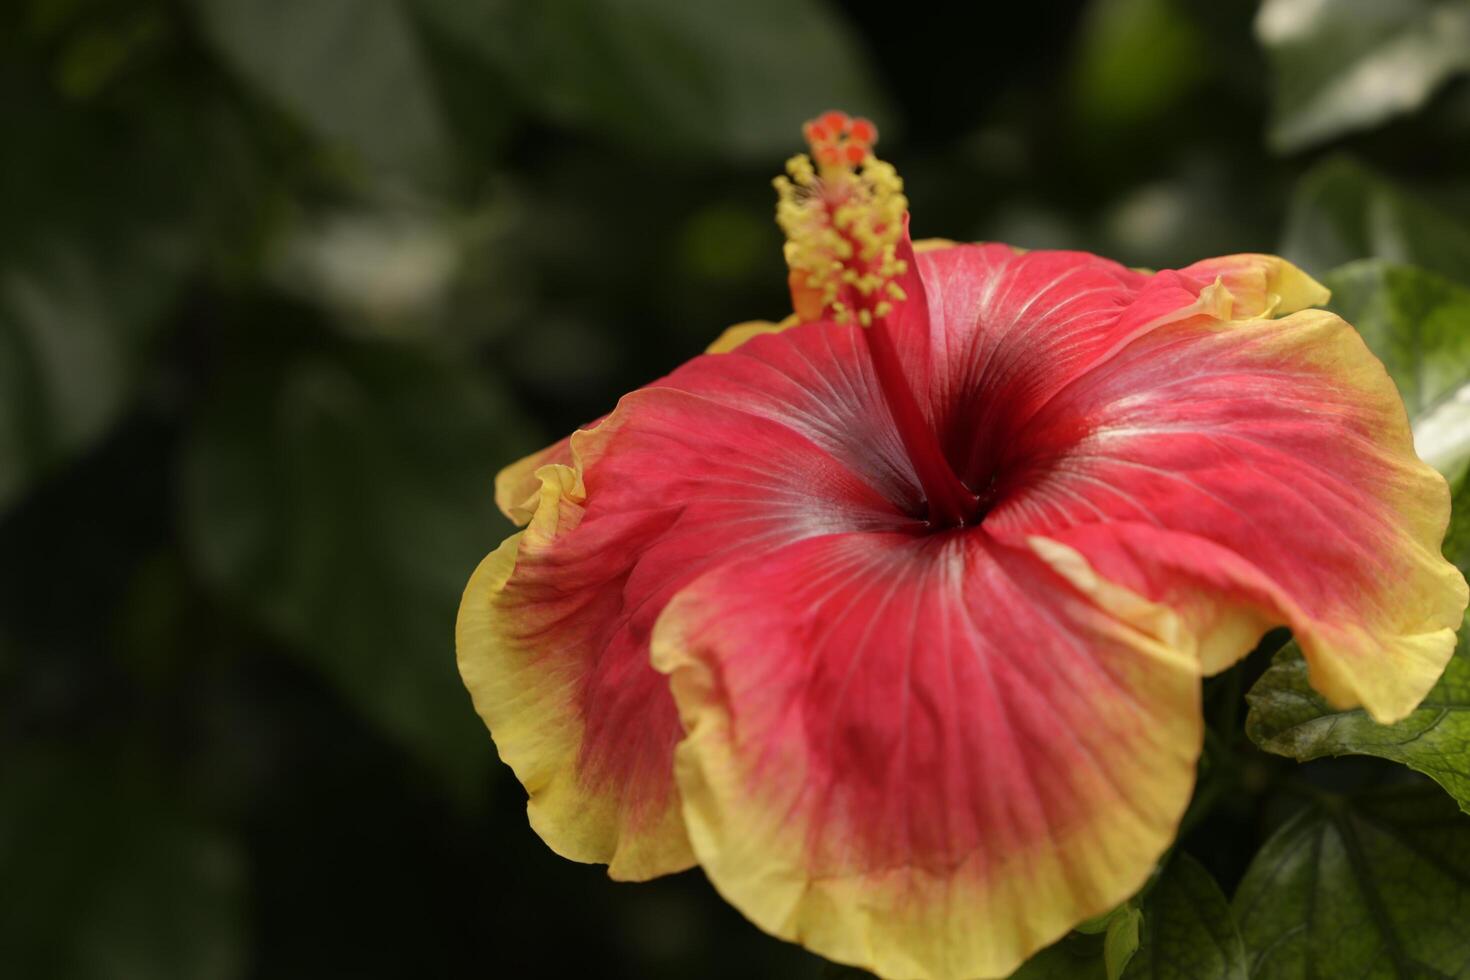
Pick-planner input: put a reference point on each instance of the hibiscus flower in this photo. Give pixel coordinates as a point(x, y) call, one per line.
point(892, 616)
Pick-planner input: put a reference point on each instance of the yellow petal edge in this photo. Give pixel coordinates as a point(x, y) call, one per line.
point(1387, 661)
point(530, 705)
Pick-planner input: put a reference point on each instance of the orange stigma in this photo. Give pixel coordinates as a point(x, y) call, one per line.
point(837, 139)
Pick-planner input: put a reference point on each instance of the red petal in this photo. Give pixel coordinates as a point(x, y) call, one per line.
point(927, 756)
point(1253, 473)
point(1007, 331)
point(518, 488)
point(730, 456)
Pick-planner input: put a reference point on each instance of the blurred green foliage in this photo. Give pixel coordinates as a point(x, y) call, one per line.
point(1343, 211)
point(284, 283)
point(1343, 65)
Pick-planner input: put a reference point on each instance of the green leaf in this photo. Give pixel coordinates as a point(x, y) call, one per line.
point(1442, 434)
point(1137, 58)
point(711, 78)
point(1419, 326)
point(1188, 930)
point(90, 259)
point(1288, 717)
point(1180, 929)
point(354, 72)
point(1073, 957)
point(1342, 211)
point(1375, 887)
point(1415, 321)
point(1343, 65)
point(342, 495)
point(107, 877)
point(1121, 940)
point(1457, 537)
point(1099, 924)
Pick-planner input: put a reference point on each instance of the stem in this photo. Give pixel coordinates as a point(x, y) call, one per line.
point(951, 504)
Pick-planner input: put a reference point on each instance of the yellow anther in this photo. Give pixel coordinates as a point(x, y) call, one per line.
point(800, 169)
point(843, 218)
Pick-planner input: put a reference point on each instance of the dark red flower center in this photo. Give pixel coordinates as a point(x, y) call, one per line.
point(844, 218)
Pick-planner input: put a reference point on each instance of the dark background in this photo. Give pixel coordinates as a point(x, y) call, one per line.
point(284, 282)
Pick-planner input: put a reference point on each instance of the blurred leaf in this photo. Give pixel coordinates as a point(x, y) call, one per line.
point(1188, 930)
point(1343, 65)
point(96, 57)
point(1416, 322)
point(90, 258)
point(1442, 435)
point(693, 77)
point(1100, 924)
point(706, 77)
point(724, 243)
point(1138, 57)
point(1342, 211)
point(1419, 326)
point(1373, 887)
point(343, 495)
point(1073, 957)
point(384, 271)
point(106, 878)
point(352, 71)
